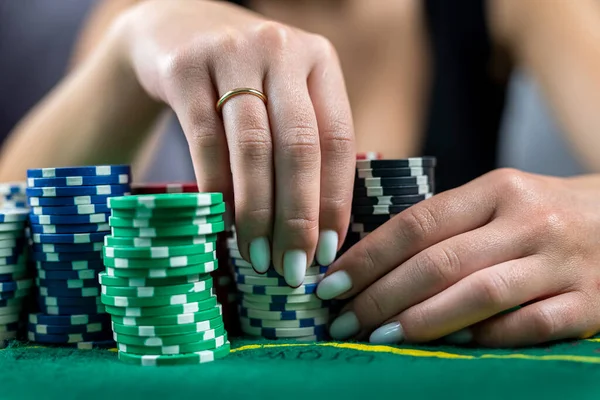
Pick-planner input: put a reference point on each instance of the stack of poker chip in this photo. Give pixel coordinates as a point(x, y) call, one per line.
point(157, 285)
point(272, 309)
point(222, 277)
point(384, 188)
point(12, 195)
point(15, 280)
point(68, 221)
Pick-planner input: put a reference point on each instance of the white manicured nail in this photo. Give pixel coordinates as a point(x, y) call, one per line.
point(464, 336)
point(294, 267)
point(388, 334)
point(334, 285)
point(327, 247)
point(344, 326)
point(260, 254)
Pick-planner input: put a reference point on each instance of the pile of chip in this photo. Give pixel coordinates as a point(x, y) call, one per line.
point(12, 195)
point(271, 309)
point(157, 285)
point(384, 188)
point(68, 221)
point(15, 280)
point(222, 278)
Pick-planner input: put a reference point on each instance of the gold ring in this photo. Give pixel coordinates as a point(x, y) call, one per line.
point(237, 92)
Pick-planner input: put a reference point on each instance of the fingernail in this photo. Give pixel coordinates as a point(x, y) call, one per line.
point(387, 334)
point(294, 267)
point(327, 247)
point(333, 285)
point(260, 254)
point(464, 336)
point(344, 326)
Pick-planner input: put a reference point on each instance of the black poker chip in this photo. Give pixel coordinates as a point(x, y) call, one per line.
point(392, 190)
point(393, 172)
point(403, 163)
point(379, 210)
point(388, 200)
point(399, 181)
point(372, 219)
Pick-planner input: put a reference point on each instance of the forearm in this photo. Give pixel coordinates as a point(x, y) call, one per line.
point(99, 114)
point(559, 42)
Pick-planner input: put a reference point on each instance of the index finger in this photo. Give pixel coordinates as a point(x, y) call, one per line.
point(415, 229)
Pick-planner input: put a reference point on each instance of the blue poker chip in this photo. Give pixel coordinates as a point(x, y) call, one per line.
point(67, 283)
point(84, 274)
point(71, 293)
point(271, 273)
point(16, 294)
point(68, 201)
point(119, 179)
point(67, 248)
point(60, 229)
point(63, 339)
point(299, 323)
point(12, 286)
point(66, 257)
point(65, 191)
point(41, 329)
point(96, 265)
point(71, 310)
point(68, 301)
point(12, 260)
point(93, 237)
point(12, 252)
point(13, 215)
point(69, 219)
point(277, 290)
point(12, 188)
point(84, 209)
point(96, 344)
point(88, 170)
point(291, 315)
point(68, 320)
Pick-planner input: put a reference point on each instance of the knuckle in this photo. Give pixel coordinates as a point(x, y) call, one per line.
point(544, 324)
point(337, 139)
point(180, 63)
point(334, 205)
point(299, 141)
point(370, 263)
point(324, 47)
point(440, 267)
point(273, 35)
point(512, 182)
point(254, 144)
point(203, 138)
point(492, 291)
point(302, 222)
point(416, 223)
point(253, 216)
point(369, 307)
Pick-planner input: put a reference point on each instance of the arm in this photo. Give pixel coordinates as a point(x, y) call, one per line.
point(559, 42)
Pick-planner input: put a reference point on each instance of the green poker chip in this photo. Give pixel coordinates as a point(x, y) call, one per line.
point(159, 252)
point(138, 312)
point(156, 301)
point(173, 262)
point(157, 242)
point(171, 231)
point(167, 330)
point(170, 213)
point(148, 222)
point(199, 357)
point(141, 282)
point(173, 319)
point(150, 291)
point(158, 341)
point(163, 272)
point(175, 349)
point(167, 200)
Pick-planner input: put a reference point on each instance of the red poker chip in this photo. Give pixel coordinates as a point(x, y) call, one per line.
point(369, 155)
point(158, 188)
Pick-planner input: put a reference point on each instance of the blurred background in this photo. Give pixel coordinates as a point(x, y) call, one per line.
point(501, 119)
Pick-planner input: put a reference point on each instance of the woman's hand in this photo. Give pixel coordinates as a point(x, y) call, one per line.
point(456, 262)
point(290, 162)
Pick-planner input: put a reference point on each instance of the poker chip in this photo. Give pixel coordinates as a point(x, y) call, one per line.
point(65, 338)
point(66, 257)
point(119, 179)
point(66, 191)
point(69, 219)
point(58, 292)
point(67, 283)
point(379, 210)
point(297, 323)
point(74, 265)
point(277, 290)
point(69, 238)
point(158, 188)
point(397, 181)
point(67, 248)
point(278, 333)
point(199, 357)
point(157, 284)
point(84, 274)
point(85, 209)
point(13, 216)
point(273, 281)
point(62, 229)
point(283, 315)
point(393, 172)
point(413, 162)
point(98, 170)
point(69, 200)
point(70, 310)
point(389, 200)
point(391, 191)
point(40, 329)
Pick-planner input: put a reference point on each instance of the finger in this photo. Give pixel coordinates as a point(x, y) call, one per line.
point(194, 105)
point(566, 316)
point(297, 163)
point(435, 269)
point(338, 154)
point(422, 225)
point(479, 296)
point(251, 157)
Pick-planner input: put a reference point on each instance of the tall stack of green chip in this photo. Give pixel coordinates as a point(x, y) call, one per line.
point(157, 284)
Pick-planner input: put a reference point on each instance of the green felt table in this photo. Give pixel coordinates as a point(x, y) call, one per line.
point(287, 370)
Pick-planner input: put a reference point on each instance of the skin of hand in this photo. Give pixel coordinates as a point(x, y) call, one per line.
point(453, 264)
point(290, 162)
